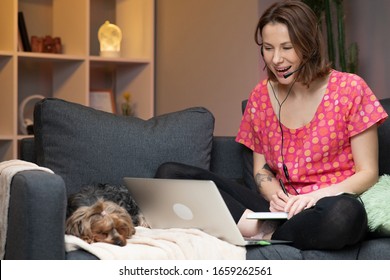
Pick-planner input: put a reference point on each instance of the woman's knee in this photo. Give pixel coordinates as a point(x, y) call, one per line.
point(168, 170)
point(346, 220)
point(176, 170)
point(344, 208)
point(333, 223)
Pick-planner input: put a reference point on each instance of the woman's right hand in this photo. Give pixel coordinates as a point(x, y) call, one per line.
point(293, 204)
point(278, 201)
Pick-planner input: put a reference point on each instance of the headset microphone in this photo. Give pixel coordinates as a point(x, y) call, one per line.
point(290, 73)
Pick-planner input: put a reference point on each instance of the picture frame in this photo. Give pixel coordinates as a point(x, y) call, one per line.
point(102, 99)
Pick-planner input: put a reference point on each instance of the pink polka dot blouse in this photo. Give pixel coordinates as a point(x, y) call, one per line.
point(318, 154)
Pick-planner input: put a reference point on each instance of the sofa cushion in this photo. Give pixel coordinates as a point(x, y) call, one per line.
point(86, 146)
point(376, 200)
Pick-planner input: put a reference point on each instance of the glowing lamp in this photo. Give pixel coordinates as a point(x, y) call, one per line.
point(110, 37)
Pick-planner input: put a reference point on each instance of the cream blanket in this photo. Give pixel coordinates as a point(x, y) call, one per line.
point(162, 244)
point(7, 170)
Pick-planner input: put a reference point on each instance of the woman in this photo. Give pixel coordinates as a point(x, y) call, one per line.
point(313, 132)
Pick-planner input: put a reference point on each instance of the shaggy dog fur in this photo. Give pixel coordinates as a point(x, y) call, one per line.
point(90, 194)
point(104, 221)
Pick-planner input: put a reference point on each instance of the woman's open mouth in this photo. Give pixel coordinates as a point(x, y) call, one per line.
point(282, 71)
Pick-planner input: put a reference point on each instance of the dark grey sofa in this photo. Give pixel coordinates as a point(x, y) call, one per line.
point(38, 200)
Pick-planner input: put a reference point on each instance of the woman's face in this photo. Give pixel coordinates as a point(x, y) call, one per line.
point(279, 53)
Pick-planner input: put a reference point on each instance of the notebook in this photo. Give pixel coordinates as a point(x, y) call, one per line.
point(268, 215)
point(174, 203)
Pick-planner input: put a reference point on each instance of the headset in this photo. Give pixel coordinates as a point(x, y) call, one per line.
point(287, 75)
point(285, 169)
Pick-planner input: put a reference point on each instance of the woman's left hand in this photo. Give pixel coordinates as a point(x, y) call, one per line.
point(298, 203)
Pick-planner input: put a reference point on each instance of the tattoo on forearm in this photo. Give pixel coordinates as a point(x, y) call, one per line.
point(260, 178)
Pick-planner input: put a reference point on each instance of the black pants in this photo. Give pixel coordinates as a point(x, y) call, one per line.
point(333, 223)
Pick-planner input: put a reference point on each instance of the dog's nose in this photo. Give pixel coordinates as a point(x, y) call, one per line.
point(119, 242)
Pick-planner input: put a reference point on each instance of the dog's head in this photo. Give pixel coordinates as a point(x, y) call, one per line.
point(104, 221)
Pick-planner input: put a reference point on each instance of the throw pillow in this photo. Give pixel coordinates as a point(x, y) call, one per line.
point(377, 203)
point(85, 146)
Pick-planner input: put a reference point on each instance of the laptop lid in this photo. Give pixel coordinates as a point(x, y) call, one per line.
point(173, 203)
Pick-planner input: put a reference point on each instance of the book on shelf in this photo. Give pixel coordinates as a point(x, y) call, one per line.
point(20, 43)
point(23, 33)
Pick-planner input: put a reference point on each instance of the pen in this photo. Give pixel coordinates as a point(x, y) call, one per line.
point(283, 187)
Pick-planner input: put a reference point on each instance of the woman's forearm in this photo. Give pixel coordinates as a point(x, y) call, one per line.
point(266, 182)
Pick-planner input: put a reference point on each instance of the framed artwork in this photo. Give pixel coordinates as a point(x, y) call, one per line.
point(102, 99)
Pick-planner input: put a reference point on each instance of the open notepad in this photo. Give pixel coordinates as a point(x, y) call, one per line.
point(267, 215)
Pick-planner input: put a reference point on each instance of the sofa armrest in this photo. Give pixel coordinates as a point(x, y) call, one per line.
point(226, 157)
point(36, 217)
point(27, 149)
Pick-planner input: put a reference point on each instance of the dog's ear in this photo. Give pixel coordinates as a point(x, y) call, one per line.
point(122, 219)
point(126, 220)
point(77, 223)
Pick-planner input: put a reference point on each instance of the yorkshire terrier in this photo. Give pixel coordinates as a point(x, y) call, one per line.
point(104, 221)
point(103, 213)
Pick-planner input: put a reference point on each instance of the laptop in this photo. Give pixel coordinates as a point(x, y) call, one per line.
point(174, 203)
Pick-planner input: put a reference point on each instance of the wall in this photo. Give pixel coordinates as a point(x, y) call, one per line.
point(206, 55)
point(367, 23)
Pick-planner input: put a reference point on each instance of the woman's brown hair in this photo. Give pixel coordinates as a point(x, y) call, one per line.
point(305, 35)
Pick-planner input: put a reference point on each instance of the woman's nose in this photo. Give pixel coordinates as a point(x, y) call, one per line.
point(277, 57)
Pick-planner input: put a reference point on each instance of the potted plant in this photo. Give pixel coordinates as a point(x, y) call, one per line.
point(347, 58)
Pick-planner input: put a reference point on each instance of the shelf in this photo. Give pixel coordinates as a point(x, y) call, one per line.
point(5, 53)
point(49, 57)
point(119, 60)
point(79, 68)
point(6, 137)
point(136, 20)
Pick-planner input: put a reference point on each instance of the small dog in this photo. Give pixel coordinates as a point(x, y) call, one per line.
point(103, 213)
point(104, 221)
point(119, 194)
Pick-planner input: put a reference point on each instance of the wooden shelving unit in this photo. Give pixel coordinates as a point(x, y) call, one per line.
point(79, 68)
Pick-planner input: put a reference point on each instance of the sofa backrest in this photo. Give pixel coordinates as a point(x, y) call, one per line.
point(384, 141)
point(232, 160)
point(86, 146)
point(226, 155)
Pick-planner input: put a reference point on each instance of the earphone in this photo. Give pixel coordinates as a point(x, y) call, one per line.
point(285, 169)
point(284, 166)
